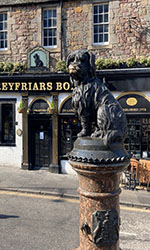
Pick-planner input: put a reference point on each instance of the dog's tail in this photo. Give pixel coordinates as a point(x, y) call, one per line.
point(114, 136)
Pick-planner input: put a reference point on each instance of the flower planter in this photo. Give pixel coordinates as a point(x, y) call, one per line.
point(21, 110)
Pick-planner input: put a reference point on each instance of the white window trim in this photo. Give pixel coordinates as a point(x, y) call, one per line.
point(102, 43)
point(5, 49)
point(53, 46)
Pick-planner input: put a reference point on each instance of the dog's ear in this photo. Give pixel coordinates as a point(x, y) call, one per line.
point(70, 58)
point(92, 63)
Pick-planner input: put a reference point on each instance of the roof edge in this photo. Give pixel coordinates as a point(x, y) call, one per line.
point(23, 2)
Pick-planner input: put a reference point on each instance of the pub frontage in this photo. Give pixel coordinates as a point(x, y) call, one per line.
point(38, 126)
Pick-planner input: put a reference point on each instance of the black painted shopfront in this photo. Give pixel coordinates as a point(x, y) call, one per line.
point(49, 132)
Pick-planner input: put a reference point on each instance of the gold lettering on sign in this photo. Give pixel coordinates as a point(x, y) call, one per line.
point(58, 85)
point(17, 85)
point(11, 84)
point(35, 86)
point(66, 85)
point(4, 85)
point(30, 85)
point(42, 86)
point(24, 86)
point(49, 86)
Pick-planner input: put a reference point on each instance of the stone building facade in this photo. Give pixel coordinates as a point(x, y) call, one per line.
point(128, 28)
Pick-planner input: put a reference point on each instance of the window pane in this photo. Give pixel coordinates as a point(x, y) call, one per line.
point(106, 28)
point(1, 17)
point(54, 32)
point(55, 41)
point(100, 18)
point(95, 9)
point(5, 35)
point(100, 8)
point(49, 23)
point(50, 41)
point(5, 25)
point(50, 32)
point(95, 38)
point(54, 13)
point(101, 28)
point(2, 44)
point(45, 23)
point(105, 37)
point(1, 26)
point(1, 35)
point(45, 14)
point(45, 32)
point(50, 13)
point(106, 18)
point(5, 43)
point(54, 22)
point(106, 7)
point(7, 123)
point(69, 128)
point(95, 29)
point(101, 38)
point(45, 42)
point(95, 19)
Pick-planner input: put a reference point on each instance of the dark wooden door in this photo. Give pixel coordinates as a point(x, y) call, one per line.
point(40, 143)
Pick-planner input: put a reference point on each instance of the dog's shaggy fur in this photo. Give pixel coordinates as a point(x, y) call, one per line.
point(99, 112)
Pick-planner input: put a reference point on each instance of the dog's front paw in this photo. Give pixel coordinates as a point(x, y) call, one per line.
point(96, 133)
point(82, 133)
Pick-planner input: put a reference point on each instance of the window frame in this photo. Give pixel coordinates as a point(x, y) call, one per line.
point(69, 128)
point(101, 23)
point(48, 28)
point(4, 30)
point(12, 102)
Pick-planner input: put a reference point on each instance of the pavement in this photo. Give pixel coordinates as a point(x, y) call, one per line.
point(64, 185)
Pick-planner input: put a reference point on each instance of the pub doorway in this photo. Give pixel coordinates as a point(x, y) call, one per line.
point(40, 141)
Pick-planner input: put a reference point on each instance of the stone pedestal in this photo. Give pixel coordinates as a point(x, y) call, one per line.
point(98, 169)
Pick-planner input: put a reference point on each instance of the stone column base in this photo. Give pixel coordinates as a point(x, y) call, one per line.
point(53, 168)
point(24, 166)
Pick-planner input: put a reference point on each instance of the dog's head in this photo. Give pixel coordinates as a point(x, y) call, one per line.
point(36, 56)
point(81, 65)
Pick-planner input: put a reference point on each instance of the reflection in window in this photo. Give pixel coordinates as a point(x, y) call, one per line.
point(7, 123)
point(70, 127)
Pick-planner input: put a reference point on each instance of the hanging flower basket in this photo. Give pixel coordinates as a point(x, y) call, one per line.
point(51, 110)
point(21, 110)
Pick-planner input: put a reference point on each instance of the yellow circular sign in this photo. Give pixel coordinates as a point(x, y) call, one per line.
point(132, 101)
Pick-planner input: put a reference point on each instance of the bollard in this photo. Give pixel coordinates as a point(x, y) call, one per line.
point(98, 169)
point(98, 155)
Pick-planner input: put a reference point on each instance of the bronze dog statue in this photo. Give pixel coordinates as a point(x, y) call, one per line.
point(99, 112)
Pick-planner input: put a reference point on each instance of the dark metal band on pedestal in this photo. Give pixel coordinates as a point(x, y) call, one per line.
point(95, 195)
point(98, 161)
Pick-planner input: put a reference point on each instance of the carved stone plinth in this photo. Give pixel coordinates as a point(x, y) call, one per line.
point(98, 169)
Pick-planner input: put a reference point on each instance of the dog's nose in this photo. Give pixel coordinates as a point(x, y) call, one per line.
point(71, 68)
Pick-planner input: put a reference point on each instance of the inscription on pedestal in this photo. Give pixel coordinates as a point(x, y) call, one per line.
point(105, 225)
